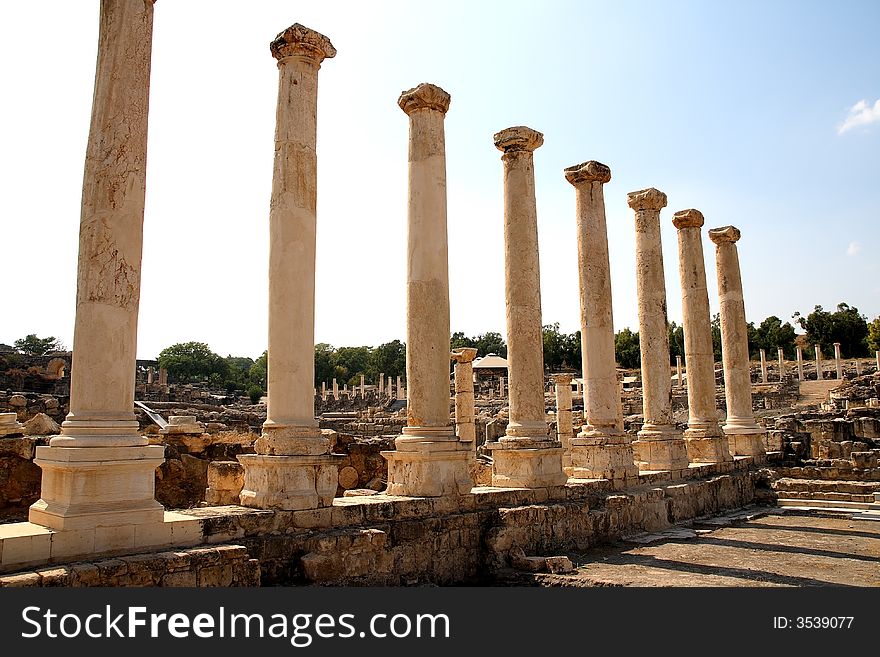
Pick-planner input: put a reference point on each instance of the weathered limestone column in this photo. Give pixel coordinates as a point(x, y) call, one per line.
point(292, 468)
point(837, 364)
point(324, 390)
point(564, 427)
point(335, 389)
point(151, 373)
point(525, 456)
point(858, 364)
point(601, 450)
point(363, 386)
point(501, 387)
point(743, 433)
point(400, 388)
point(800, 362)
point(706, 443)
point(660, 446)
point(390, 389)
point(877, 358)
point(381, 384)
point(780, 355)
point(678, 380)
point(464, 393)
point(430, 460)
point(763, 366)
point(163, 376)
point(100, 471)
point(818, 363)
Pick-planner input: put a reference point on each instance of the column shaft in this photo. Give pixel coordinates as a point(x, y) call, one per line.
point(464, 393)
point(763, 356)
point(800, 362)
point(837, 364)
point(780, 354)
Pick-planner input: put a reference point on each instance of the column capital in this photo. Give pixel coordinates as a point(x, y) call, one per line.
point(518, 138)
point(591, 171)
point(463, 354)
point(300, 40)
point(688, 219)
point(424, 96)
point(561, 379)
point(724, 234)
point(646, 199)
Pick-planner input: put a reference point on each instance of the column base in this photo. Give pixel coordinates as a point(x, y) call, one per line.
point(747, 444)
point(87, 487)
point(527, 463)
point(290, 483)
point(602, 456)
point(429, 462)
point(707, 446)
point(660, 447)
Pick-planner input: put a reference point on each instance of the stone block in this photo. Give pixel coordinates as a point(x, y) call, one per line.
point(72, 543)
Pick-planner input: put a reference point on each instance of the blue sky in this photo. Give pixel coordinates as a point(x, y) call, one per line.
point(732, 108)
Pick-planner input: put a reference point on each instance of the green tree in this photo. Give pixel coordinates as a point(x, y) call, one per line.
point(770, 335)
point(873, 338)
point(238, 372)
point(846, 326)
point(626, 349)
point(350, 363)
point(491, 343)
point(675, 334)
point(390, 358)
point(716, 337)
point(34, 346)
point(258, 372)
point(325, 367)
point(191, 362)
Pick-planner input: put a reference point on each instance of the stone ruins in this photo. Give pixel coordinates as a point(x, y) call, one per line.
point(446, 482)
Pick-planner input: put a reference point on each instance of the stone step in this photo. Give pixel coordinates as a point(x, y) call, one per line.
point(825, 504)
point(788, 484)
point(807, 495)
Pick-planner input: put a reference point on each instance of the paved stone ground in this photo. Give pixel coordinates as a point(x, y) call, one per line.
point(759, 548)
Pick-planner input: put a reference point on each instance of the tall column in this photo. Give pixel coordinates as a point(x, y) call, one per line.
point(400, 388)
point(601, 449)
point(430, 460)
point(323, 390)
point(780, 355)
point(837, 365)
point(743, 433)
point(381, 384)
point(464, 393)
point(705, 441)
point(525, 456)
point(292, 467)
point(100, 470)
point(660, 446)
point(800, 362)
point(564, 427)
point(363, 386)
point(678, 378)
point(335, 389)
point(763, 365)
point(818, 363)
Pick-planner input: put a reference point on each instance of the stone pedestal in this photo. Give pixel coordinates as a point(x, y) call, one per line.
point(9, 425)
point(225, 483)
point(185, 425)
point(464, 393)
point(293, 468)
point(705, 441)
point(601, 449)
point(430, 460)
point(564, 426)
point(525, 456)
point(660, 446)
point(745, 436)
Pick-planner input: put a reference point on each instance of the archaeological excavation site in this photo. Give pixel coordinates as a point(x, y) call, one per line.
point(469, 468)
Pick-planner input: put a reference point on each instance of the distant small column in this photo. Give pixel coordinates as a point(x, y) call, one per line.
point(763, 366)
point(345, 391)
point(660, 445)
point(564, 427)
point(150, 374)
point(363, 386)
point(323, 391)
point(163, 376)
point(781, 356)
point(501, 391)
point(390, 389)
point(679, 380)
point(744, 435)
point(877, 359)
point(858, 367)
point(381, 385)
point(335, 389)
point(400, 388)
point(800, 362)
point(464, 393)
point(837, 364)
point(819, 376)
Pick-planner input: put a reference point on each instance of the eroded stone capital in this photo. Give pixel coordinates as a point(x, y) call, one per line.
point(724, 234)
point(646, 199)
point(463, 354)
point(561, 379)
point(688, 219)
point(424, 96)
point(591, 171)
point(300, 40)
point(518, 138)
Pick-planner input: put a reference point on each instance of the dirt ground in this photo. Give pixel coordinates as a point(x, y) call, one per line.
point(776, 547)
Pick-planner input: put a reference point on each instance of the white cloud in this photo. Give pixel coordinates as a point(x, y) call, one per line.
point(853, 248)
point(860, 114)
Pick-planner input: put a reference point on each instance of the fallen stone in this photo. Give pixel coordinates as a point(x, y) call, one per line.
point(41, 425)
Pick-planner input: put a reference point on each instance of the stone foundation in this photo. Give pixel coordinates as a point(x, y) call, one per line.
point(289, 482)
point(603, 458)
point(525, 463)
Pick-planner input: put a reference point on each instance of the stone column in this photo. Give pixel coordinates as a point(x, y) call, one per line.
point(323, 390)
point(100, 470)
point(818, 363)
point(464, 393)
point(837, 365)
point(679, 381)
point(381, 384)
point(660, 446)
point(877, 358)
point(163, 376)
point(151, 373)
point(363, 386)
point(780, 354)
point(335, 389)
point(430, 460)
point(525, 456)
point(706, 443)
point(501, 387)
point(400, 388)
point(292, 468)
point(564, 427)
point(858, 364)
point(763, 365)
point(743, 433)
point(601, 450)
point(800, 362)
